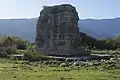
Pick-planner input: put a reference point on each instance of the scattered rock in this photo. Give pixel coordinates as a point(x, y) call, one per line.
point(63, 65)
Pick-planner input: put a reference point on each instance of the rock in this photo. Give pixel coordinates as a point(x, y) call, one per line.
point(90, 63)
point(101, 69)
point(118, 59)
point(70, 59)
point(57, 31)
point(102, 60)
point(111, 59)
point(63, 65)
point(77, 63)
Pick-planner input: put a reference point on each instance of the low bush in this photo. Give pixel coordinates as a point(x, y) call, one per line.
point(32, 55)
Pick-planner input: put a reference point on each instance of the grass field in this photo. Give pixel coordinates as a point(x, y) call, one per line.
point(111, 52)
point(12, 71)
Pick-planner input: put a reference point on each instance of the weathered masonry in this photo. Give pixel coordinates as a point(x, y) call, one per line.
point(57, 29)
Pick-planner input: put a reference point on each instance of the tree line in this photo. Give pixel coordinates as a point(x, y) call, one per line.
point(104, 44)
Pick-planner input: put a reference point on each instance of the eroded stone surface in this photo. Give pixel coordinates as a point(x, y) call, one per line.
point(57, 28)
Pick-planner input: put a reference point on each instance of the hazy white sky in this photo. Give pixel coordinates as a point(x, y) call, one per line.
point(86, 8)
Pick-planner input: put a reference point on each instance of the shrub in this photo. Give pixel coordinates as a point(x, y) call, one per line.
point(10, 44)
point(31, 54)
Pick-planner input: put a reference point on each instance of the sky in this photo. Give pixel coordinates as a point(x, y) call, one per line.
point(95, 9)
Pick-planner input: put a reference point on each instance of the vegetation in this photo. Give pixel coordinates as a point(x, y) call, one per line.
point(10, 45)
point(18, 70)
point(110, 52)
point(36, 66)
point(94, 44)
point(16, 45)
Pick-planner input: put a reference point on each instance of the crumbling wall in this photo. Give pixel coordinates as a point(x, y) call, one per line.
point(57, 28)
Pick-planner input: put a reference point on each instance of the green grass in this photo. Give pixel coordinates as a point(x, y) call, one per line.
point(111, 52)
point(12, 71)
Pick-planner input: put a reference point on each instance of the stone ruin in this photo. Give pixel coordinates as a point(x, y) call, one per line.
point(57, 30)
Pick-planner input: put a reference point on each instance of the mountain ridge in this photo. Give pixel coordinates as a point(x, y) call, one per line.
point(26, 28)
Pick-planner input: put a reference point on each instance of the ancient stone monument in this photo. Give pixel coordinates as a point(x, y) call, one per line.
point(57, 30)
